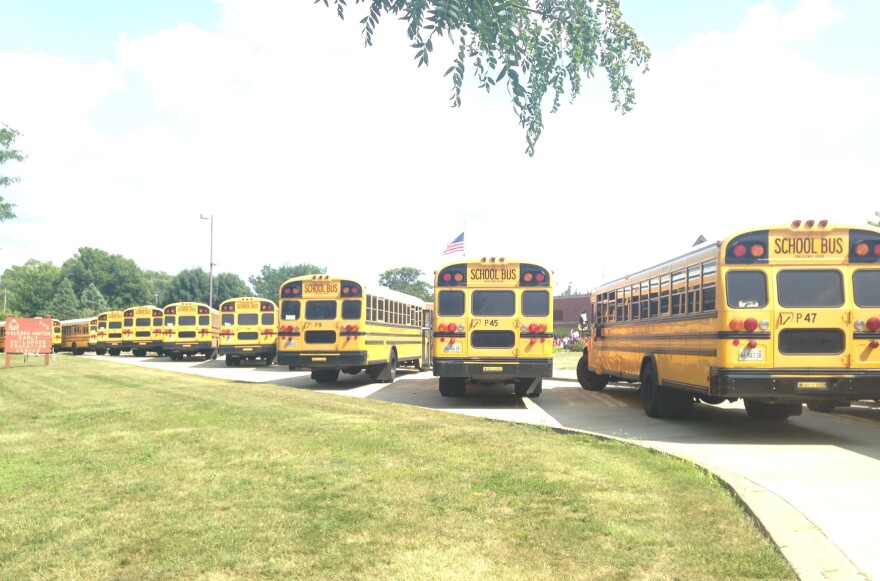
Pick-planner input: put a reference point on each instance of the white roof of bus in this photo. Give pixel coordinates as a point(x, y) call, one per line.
point(75, 321)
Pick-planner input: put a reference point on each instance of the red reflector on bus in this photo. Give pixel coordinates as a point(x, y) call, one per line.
point(873, 324)
point(750, 324)
point(451, 327)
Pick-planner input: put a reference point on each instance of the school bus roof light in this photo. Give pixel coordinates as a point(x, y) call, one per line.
point(796, 224)
point(757, 250)
point(527, 277)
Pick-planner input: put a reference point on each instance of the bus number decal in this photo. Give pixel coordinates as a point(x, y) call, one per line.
point(786, 318)
point(490, 322)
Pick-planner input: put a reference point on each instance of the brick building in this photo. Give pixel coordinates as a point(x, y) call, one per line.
point(567, 312)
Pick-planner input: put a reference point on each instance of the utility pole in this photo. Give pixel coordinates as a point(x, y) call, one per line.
point(210, 262)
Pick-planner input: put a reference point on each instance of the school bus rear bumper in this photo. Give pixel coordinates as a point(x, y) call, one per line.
point(317, 360)
point(246, 350)
point(489, 369)
point(189, 347)
point(803, 384)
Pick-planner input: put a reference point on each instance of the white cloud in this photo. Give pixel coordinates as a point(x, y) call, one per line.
point(308, 147)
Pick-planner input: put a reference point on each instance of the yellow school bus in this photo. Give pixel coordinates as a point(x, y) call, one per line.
point(142, 330)
point(190, 329)
point(777, 316)
point(330, 324)
point(109, 333)
point(56, 335)
point(79, 335)
point(2, 336)
point(248, 330)
point(493, 322)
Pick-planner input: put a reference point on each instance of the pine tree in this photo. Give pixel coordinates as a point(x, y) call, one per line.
point(92, 302)
point(64, 304)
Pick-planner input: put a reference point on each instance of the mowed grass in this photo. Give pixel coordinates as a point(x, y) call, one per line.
point(566, 359)
point(117, 471)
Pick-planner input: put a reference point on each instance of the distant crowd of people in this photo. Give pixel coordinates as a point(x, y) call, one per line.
point(567, 341)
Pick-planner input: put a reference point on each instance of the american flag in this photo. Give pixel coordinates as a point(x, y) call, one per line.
point(456, 245)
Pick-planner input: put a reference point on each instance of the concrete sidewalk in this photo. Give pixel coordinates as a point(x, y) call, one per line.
point(813, 555)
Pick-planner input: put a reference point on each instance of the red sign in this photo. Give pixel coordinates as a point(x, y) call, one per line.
point(28, 335)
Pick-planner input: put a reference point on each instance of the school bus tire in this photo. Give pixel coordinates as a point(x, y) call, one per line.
point(662, 402)
point(521, 387)
point(761, 410)
point(822, 407)
point(385, 372)
point(452, 386)
point(115, 352)
point(76, 350)
point(325, 375)
point(100, 351)
point(589, 380)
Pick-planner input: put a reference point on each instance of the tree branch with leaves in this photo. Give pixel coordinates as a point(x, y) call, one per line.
point(538, 49)
point(7, 137)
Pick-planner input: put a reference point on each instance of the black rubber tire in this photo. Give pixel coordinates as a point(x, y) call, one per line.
point(822, 407)
point(760, 410)
point(589, 380)
point(325, 375)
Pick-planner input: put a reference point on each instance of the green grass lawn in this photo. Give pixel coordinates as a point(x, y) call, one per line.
point(117, 471)
point(566, 359)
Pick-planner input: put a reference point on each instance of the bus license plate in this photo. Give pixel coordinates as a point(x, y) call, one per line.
point(452, 348)
point(751, 355)
point(493, 368)
point(812, 385)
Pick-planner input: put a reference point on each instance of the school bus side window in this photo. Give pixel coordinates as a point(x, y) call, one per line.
point(450, 303)
point(746, 289)
point(866, 288)
point(535, 303)
point(351, 309)
point(290, 310)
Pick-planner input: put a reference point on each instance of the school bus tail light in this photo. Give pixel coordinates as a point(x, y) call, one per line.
point(750, 324)
point(873, 324)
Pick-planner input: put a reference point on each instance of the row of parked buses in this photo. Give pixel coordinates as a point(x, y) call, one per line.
point(494, 323)
point(779, 317)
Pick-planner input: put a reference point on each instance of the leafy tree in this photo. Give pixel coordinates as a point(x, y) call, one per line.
point(7, 136)
point(406, 280)
point(119, 279)
point(64, 303)
point(188, 285)
point(536, 47)
point(31, 287)
point(266, 285)
point(877, 223)
point(158, 283)
point(227, 286)
point(92, 302)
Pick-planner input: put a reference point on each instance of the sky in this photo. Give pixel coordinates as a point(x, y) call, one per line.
point(139, 117)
